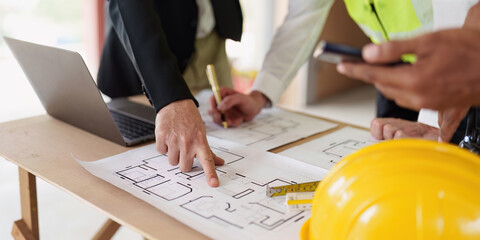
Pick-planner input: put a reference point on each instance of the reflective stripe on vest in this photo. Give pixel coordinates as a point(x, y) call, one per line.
point(383, 20)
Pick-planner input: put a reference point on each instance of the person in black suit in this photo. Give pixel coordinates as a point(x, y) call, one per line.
point(150, 45)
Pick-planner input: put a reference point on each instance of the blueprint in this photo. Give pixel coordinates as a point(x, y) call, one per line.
point(237, 209)
point(326, 151)
point(269, 129)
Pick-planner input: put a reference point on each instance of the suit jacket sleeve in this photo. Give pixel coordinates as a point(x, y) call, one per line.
point(140, 31)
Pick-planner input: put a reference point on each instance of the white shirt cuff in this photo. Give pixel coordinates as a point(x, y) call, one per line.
point(428, 117)
point(270, 86)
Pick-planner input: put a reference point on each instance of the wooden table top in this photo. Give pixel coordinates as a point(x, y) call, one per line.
point(45, 147)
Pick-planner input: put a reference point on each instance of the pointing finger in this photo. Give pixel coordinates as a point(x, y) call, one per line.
point(204, 156)
point(173, 155)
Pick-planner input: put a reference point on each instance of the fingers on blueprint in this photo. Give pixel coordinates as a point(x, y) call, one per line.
point(204, 156)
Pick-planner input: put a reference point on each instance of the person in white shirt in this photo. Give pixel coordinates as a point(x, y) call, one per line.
point(291, 47)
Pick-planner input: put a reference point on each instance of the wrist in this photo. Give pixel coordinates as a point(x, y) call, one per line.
point(260, 99)
point(180, 104)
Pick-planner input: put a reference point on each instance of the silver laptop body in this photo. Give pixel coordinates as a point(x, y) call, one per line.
point(68, 92)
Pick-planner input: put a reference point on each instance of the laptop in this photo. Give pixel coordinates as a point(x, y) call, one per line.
point(68, 92)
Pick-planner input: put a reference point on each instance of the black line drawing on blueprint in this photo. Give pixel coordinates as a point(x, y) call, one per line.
point(338, 150)
point(243, 202)
point(237, 209)
point(263, 128)
point(329, 149)
point(209, 208)
point(269, 129)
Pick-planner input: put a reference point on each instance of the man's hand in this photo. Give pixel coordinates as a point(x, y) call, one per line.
point(180, 131)
point(449, 120)
point(394, 128)
point(238, 107)
point(445, 75)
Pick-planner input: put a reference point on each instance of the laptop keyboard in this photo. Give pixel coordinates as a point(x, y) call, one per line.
point(132, 128)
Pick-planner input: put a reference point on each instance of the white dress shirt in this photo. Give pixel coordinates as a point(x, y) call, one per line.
point(294, 41)
point(291, 46)
point(206, 19)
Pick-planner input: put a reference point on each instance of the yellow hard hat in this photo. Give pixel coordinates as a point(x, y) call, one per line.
point(401, 189)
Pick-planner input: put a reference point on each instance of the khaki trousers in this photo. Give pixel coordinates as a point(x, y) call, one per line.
point(208, 50)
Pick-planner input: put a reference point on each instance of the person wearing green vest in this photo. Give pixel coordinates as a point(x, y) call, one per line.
point(381, 20)
point(446, 76)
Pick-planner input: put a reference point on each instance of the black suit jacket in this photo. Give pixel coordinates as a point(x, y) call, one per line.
point(151, 43)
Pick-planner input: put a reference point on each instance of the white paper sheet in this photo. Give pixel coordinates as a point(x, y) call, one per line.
point(326, 151)
point(270, 129)
point(238, 209)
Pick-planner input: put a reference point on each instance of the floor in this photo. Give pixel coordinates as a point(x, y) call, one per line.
point(61, 216)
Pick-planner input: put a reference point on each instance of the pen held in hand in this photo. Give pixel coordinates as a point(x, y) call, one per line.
point(212, 78)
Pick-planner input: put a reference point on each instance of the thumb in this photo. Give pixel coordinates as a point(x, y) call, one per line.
point(449, 120)
point(389, 52)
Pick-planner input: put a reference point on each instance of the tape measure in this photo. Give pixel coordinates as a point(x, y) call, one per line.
point(283, 190)
point(299, 201)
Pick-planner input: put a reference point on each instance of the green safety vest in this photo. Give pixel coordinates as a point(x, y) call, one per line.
point(384, 20)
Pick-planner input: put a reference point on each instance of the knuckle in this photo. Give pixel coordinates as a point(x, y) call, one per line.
point(376, 123)
point(388, 128)
point(200, 137)
point(173, 139)
point(183, 138)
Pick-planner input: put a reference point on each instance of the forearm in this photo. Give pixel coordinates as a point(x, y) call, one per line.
point(292, 46)
point(140, 31)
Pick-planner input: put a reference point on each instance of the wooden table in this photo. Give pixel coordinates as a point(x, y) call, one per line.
point(43, 147)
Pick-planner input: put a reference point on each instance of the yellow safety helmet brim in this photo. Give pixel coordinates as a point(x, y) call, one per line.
point(402, 189)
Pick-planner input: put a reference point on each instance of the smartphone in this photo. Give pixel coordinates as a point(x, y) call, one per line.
point(337, 53)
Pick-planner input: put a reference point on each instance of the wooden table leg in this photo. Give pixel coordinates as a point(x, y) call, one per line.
point(27, 227)
point(107, 231)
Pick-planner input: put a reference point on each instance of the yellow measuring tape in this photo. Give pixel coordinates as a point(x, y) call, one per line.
point(298, 196)
point(283, 190)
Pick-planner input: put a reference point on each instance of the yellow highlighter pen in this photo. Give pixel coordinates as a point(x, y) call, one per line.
point(212, 78)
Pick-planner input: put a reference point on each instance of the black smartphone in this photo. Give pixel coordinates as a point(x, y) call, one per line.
point(337, 53)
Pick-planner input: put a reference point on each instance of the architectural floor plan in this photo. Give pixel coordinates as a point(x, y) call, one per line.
point(238, 209)
point(326, 151)
point(270, 129)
